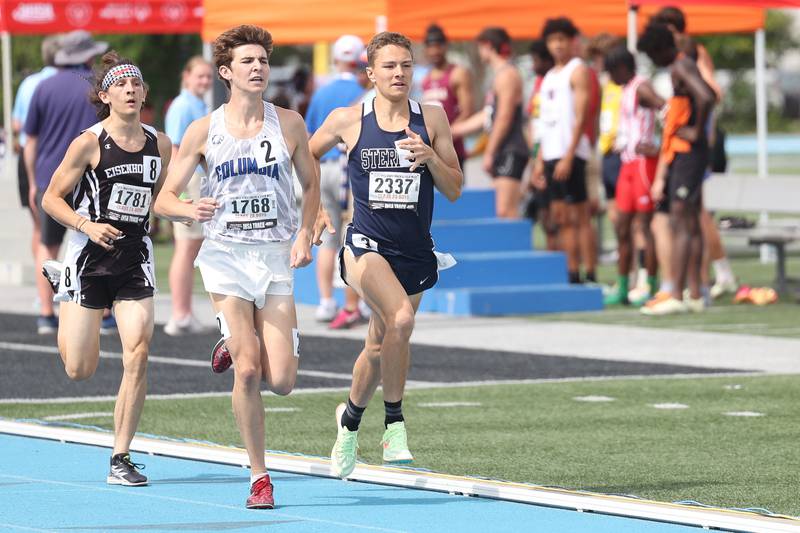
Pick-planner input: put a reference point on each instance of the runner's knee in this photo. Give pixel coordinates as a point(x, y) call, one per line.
point(79, 371)
point(283, 384)
point(134, 362)
point(401, 323)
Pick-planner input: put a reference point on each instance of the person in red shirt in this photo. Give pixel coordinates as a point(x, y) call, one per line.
point(446, 84)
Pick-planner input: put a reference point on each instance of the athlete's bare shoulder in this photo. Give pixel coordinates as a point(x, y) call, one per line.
point(164, 144)
point(434, 113)
point(290, 120)
point(196, 134)
point(345, 117)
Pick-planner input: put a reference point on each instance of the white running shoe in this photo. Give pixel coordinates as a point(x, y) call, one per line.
point(326, 310)
point(695, 305)
point(188, 325)
point(668, 306)
point(721, 287)
point(345, 450)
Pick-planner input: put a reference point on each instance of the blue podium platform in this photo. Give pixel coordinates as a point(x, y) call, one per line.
point(498, 272)
point(482, 235)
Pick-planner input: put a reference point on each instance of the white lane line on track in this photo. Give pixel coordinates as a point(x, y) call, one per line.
point(595, 399)
point(77, 416)
point(670, 406)
point(410, 386)
point(179, 361)
point(450, 404)
point(744, 413)
point(130, 493)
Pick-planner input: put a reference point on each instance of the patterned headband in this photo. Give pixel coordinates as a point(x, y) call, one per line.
point(119, 72)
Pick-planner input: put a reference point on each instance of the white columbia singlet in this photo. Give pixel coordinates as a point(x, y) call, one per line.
point(636, 123)
point(251, 179)
point(557, 114)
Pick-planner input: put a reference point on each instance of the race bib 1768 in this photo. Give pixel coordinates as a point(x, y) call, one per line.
point(251, 211)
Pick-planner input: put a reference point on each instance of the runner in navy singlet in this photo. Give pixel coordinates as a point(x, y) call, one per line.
point(398, 151)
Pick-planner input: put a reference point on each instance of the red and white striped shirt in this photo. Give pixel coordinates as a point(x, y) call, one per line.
point(636, 123)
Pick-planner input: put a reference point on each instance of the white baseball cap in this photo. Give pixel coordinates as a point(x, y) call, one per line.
point(348, 48)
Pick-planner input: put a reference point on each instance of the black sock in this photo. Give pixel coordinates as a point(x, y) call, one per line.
point(574, 277)
point(394, 412)
point(640, 253)
point(351, 417)
point(591, 277)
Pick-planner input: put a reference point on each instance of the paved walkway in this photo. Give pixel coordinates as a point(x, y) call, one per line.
point(574, 339)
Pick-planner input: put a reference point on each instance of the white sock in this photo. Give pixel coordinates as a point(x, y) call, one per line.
point(666, 286)
point(327, 303)
point(256, 477)
point(722, 270)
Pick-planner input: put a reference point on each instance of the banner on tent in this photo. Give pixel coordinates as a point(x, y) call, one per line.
point(101, 16)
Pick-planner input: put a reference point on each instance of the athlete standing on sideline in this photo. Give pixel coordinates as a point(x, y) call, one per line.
point(506, 153)
point(565, 146)
point(188, 106)
point(636, 144)
point(446, 84)
point(681, 166)
point(247, 208)
point(112, 171)
point(398, 151)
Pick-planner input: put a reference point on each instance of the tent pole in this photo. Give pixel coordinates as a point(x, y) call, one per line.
point(208, 55)
point(633, 12)
point(766, 252)
point(5, 37)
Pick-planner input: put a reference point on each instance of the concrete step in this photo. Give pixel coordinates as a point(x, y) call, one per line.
point(473, 203)
point(513, 300)
point(482, 235)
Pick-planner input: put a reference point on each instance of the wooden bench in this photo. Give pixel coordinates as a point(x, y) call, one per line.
point(773, 195)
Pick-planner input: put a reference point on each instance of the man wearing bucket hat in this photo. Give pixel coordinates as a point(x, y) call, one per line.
point(59, 111)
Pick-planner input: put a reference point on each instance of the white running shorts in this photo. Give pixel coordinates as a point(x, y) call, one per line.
point(248, 271)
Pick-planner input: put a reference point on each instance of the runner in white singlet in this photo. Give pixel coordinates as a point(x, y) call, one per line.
point(247, 209)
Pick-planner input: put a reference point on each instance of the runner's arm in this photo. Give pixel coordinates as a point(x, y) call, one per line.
point(686, 71)
point(508, 91)
point(580, 87)
point(168, 203)
point(443, 161)
point(470, 125)
point(165, 151)
point(648, 96)
point(307, 173)
point(463, 87)
point(83, 152)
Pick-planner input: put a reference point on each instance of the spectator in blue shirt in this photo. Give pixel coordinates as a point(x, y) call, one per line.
point(19, 114)
point(187, 107)
point(59, 111)
point(342, 91)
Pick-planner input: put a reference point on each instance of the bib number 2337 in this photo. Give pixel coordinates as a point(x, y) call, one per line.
point(394, 190)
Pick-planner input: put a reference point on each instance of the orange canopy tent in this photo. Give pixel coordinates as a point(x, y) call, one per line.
point(308, 21)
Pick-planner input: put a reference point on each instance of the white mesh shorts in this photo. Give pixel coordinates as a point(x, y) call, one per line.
point(248, 271)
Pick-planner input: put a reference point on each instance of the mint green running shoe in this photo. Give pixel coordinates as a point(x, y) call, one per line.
point(395, 445)
point(345, 449)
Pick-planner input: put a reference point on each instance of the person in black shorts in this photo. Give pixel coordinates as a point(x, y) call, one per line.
point(506, 154)
point(681, 167)
point(112, 171)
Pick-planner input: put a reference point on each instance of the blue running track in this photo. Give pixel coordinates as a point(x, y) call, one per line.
point(48, 485)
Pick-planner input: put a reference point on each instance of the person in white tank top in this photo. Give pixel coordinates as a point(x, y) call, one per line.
point(247, 210)
point(565, 147)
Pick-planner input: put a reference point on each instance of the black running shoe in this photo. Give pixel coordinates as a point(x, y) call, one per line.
point(124, 472)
